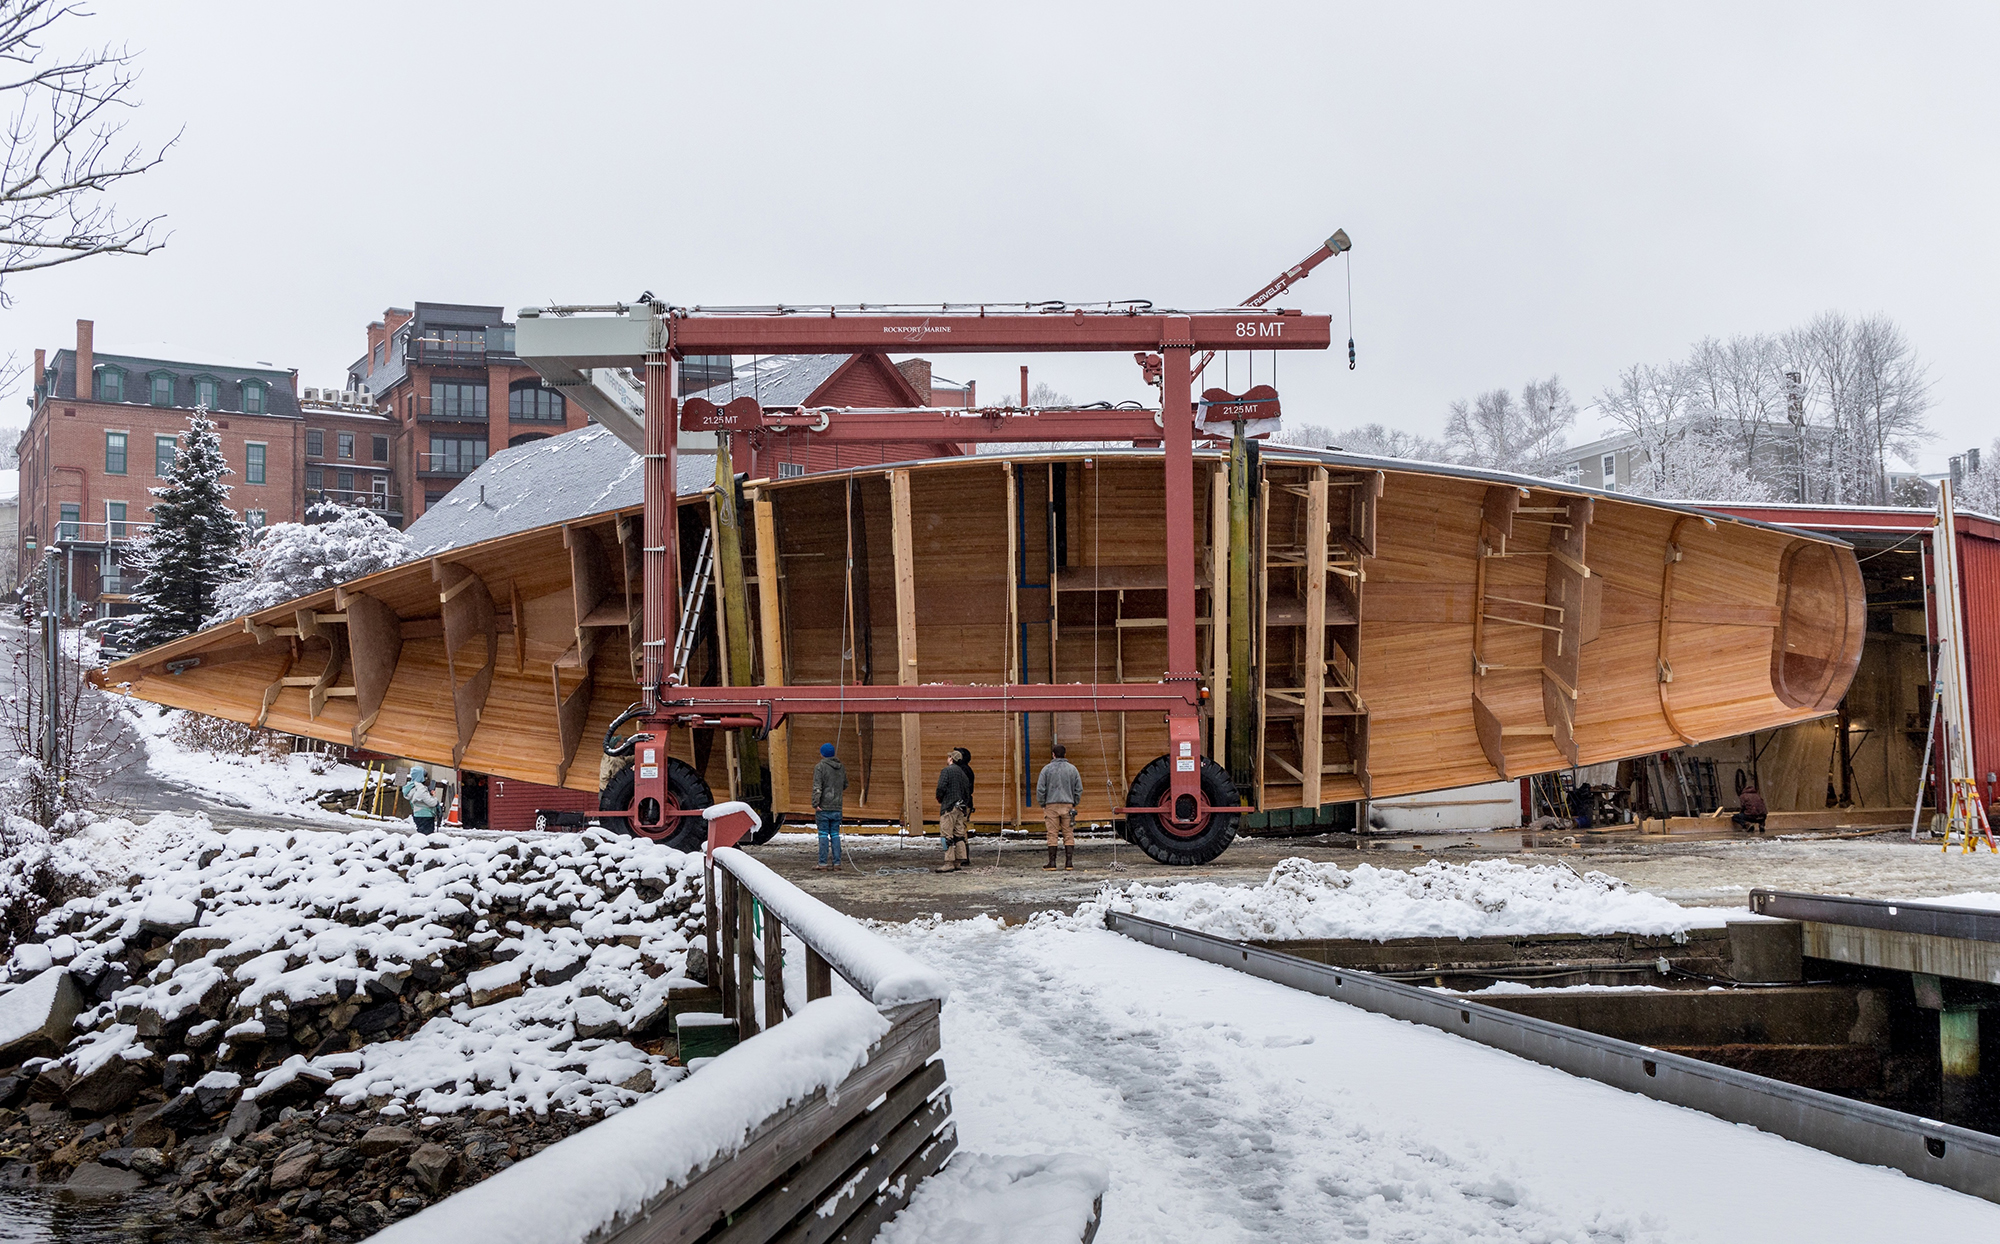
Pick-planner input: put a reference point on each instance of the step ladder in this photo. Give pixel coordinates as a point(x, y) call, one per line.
point(692, 606)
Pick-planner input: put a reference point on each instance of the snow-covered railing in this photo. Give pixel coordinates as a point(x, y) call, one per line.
point(818, 1125)
point(742, 894)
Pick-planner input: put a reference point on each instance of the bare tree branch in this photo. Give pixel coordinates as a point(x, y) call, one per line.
point(64, 148)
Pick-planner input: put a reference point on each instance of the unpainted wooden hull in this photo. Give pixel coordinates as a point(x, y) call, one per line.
point(1415, 628)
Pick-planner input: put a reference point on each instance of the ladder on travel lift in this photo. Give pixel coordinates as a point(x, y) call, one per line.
point(692, 605)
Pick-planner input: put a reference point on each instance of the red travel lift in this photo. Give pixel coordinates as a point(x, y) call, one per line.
point(1191, 817)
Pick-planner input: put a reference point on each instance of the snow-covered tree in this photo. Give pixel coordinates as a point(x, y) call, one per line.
point(1980, 490)
point(1373, 439)
point(290, 560)
point(1502, 433)
point(196, 541)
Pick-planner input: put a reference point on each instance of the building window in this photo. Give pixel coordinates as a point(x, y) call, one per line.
point(315, 443)
point(528, 400)
point(253, 398)
point(380, 486)
point(205, 394)
point(451, 400)
point(110, 384)
point(1573, 473)
point(453, 341)
point(346, 443)
point(1609, 465)
point(163, 456)
point(525, 437)
point(163, 390)
point(456, 455)
point(114, 520)
point(70, 527)
point(253, 464)
point(114, 453)
point(254, 519)
point(380, 446)
point(346, 481)
point(315, 478)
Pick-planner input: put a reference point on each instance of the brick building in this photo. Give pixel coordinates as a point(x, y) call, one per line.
point(105, 428)
point(452, 392)
point(350, 453)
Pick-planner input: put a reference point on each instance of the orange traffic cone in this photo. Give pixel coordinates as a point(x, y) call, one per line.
point(451, 818)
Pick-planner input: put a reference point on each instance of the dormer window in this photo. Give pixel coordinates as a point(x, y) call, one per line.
point(206, 390)
point(162, 388)
point(110, 384)
point(253, 397)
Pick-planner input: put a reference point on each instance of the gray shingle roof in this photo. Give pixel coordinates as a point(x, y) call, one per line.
point(777, 380)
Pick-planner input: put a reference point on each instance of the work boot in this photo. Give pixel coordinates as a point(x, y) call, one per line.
point(1051, 865)
point(1069, 859)
point(949, 866)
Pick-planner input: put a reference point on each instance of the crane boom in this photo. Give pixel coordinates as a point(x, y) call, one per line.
point(1285, 280)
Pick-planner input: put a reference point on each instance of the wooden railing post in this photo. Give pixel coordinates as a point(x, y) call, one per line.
point(819, 975)
point(724, 965)
point(711, 915)
point(746, 964)
point(774, 969)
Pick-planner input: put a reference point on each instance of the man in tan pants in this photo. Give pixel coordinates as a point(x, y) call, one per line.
point(954, 796)
point(1059, 789)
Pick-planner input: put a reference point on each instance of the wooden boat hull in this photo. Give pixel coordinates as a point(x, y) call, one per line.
point(1414, 628)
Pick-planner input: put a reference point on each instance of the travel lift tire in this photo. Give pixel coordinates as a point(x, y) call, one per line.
point(685, 790)
point(1166, 842)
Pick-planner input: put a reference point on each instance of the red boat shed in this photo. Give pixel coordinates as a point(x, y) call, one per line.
point(1900, 541)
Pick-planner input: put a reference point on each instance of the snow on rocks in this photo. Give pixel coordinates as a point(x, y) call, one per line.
point(261, 975)
point(1485, 898)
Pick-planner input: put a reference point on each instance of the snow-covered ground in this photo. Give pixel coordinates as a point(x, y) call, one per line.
point(1724, 873)
point(1484, 898)
point(289, 785)
point(1233, 1109)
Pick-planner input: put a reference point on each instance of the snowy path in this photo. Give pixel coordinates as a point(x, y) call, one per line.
point(1233, 1109)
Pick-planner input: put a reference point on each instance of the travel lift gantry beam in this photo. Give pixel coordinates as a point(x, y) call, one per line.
point(571, 345)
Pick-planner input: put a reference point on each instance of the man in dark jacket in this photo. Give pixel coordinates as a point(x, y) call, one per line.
point(1750, 815)
point(1059, 789)
point(829, 788)
point(954, 796)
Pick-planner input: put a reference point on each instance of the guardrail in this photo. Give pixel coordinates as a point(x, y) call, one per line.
point(1934, 1152)
point(1973, 924)
point(817, 1127)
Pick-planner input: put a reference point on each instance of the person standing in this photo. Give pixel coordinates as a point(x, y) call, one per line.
point(829, 787)
point(954, 796)
point(423, 798)
point(1059, 789)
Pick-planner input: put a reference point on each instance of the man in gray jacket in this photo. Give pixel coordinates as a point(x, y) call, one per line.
point(1059, 789)
point(829, 789)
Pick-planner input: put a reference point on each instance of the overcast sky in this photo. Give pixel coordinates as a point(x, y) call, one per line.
point(1531, 189)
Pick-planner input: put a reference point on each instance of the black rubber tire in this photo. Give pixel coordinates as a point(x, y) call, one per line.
point(688, 790)
point(767, 820)
point(1146, 832)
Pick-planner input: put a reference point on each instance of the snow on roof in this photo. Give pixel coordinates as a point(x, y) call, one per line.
point(588, 471)
point(778, 379)
point(178, 356)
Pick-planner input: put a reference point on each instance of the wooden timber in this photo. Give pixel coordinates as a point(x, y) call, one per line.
point(1442, 628)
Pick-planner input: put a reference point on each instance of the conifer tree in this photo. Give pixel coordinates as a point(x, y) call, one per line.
point(196, 543)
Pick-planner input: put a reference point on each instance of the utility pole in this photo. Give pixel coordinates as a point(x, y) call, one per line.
point(1795, 410)
point(51, 666)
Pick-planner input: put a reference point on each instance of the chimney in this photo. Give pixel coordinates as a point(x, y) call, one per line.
point(41, 372)
point(86, 365)
point(1024, 386)
point(918, 373)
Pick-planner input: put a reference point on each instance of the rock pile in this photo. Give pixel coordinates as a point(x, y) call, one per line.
point(319, 1032)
